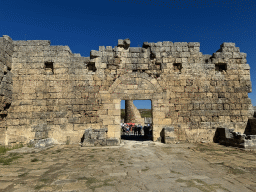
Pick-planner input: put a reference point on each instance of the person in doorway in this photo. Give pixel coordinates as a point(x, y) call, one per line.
point(127, 130)
point(130, 128)
point(135, 129)
point(139, 129)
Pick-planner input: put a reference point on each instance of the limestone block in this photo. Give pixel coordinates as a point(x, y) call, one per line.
point(227, 45)
point(237, 55)
point(113, 128)
point(135, 49)
point(134, 61)
point(95, 53)
point(111, 134)
point(245, 100)
point(94, 137)
point(107, 121)
point(114, 112)
point(112, 142)
point(185, 49)
point(120, 42)
point(167, 43)
point(158, 114)
point(191, 89)
point(165, 121)
point(109, 50)
point(245, 66)
point(140, 60)
point(193, 44)
point(142, 66)
point(228, 55)
point(127, 42)
point(180, 44)
point(185, 54)
point(199, 112)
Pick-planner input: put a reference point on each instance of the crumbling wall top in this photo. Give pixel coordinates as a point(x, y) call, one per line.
point(32, 43)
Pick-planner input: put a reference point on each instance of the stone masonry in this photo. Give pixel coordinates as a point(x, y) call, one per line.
point(49, 92)
point(132, 114)
point(6, 52)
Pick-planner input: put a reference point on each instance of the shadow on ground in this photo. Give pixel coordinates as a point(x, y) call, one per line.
point(135, 138)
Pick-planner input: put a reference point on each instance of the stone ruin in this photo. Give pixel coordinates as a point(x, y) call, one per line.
point(132, 114)
point(229, 137)
point(48, 92)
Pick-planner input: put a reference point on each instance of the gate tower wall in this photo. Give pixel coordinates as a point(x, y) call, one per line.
point(54, 93)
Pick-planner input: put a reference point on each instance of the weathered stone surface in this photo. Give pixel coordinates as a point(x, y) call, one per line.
point(168, 135)
point(132, 114)
point(43, 143)
point(112, 142)
point(94, 137)
point(150, 166)
point(228, 137)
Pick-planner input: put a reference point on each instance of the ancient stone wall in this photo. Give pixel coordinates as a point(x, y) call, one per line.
point(58, 94)
point(6, 51)
point(53, 93)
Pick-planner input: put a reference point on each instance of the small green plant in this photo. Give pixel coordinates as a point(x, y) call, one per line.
point(175, 172)
point(106, 182)
point(146, 169)
point(4, 149)
point(34, 160)
point(37, 187)
point(17, 146)
point(30, 145)
point(121, 162)
point(45, 180)
point(235, 171)
point(111, 159)
point(23, 175)
point(82, 178)
point(91, 180)
point(57, 151)
point(7, 160)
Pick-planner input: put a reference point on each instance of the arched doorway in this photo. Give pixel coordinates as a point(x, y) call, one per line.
point(133, 86)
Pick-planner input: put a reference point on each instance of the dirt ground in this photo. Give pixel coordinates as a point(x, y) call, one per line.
point(133, 166)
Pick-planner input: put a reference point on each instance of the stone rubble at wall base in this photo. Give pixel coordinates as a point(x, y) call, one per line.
point(228, 137)
point(98, 137)
point(43, 143)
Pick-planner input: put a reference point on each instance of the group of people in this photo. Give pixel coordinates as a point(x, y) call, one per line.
point(132, 128)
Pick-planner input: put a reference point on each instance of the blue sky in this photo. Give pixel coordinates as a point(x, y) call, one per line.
point(140, 104)
point(86, 25)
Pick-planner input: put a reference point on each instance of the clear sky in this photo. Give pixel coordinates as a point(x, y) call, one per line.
point(140, 104)
point(86, 25)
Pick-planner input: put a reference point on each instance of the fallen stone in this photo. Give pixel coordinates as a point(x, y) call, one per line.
point(43, 143)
